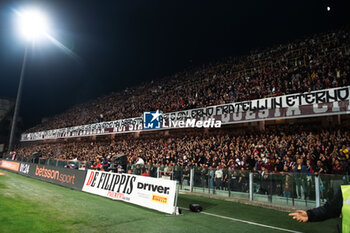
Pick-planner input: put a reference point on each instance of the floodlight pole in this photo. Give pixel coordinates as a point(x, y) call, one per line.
point(18, 99)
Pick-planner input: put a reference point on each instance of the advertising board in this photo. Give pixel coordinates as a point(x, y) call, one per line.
point(153, 193)
point(24, 168)
point(9, 165)
point(71, 178)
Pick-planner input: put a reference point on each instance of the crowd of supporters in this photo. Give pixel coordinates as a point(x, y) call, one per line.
point(222, 156)
point(277, 149)
point(316, 62)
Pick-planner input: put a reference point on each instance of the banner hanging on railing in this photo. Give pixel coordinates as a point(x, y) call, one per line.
point(311, 104)
point(153, 193)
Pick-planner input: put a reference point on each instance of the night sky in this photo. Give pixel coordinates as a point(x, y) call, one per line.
point(124, 43)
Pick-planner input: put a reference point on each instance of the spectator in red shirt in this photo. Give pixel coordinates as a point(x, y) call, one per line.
point(146, 173)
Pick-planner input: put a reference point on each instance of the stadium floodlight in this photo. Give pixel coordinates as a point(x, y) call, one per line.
point(33, 24)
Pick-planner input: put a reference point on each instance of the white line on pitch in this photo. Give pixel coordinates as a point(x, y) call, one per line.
point(248, 222)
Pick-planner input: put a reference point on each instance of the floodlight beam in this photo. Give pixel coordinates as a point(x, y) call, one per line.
point(18, 99)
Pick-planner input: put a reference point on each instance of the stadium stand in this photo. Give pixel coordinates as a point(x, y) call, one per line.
point(325, 151)
point(317, 62)
point(314, 63)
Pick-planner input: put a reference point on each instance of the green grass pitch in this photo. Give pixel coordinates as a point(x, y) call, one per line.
point(28, 205)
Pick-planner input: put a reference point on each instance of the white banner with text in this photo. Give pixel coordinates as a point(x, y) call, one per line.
point(153, 193)
point(327, 102)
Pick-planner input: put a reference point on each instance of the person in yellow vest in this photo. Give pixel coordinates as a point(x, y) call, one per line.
point(340, 204)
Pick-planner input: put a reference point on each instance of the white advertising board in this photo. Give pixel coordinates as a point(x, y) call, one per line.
point(153, 193)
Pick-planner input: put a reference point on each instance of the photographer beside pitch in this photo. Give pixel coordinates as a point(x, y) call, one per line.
point(340, 204)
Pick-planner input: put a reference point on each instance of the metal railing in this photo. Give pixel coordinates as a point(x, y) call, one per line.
point(284, 189)
point(50, 162)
